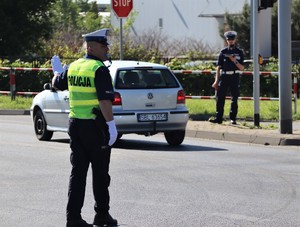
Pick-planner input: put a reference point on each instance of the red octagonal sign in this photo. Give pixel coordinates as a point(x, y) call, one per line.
point(122, 8)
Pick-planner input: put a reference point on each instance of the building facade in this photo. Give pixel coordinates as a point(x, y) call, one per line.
point(197, 19)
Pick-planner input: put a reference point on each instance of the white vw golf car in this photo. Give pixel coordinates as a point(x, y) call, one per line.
point(148, 100)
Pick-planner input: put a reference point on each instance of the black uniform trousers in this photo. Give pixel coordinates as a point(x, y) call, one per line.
point(233, 83)
point(86, 141)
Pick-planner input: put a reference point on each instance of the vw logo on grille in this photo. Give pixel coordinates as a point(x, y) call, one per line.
point(150, 95)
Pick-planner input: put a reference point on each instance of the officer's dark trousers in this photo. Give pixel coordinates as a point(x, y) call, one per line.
point(226, 82)
point(86, 140)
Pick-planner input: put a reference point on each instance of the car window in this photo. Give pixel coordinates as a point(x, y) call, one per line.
point(145, 78)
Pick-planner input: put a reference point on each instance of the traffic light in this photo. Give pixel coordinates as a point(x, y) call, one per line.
point(266, 3)
point(260, 59)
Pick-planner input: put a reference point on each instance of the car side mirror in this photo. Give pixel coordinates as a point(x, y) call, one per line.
point(47, 86)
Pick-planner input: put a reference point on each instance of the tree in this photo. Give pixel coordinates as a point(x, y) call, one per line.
point(65, 15)
point(296, 20)
point(241, 24)
point(275, 30)
point(83, 5)
point(23, 25)
point(70, 20)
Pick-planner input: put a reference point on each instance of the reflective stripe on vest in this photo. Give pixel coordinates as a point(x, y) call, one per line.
point(82, 91)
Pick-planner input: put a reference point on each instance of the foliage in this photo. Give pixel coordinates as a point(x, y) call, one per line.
point(65, 15)
point(296, 70)
point(133, 47)
point(20, 103)
point(23, 25)
point(199, 109)
point(195, 84)
point(203, 109)
point(274, 35)
point(69, 19)
point(175, 64)
point(84, 6)
point(295, 20)
point(271, 65)
point(241, 24)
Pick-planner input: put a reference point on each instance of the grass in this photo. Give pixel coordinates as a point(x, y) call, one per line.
point(18, 104)
point(199, 109)
point(269, 110)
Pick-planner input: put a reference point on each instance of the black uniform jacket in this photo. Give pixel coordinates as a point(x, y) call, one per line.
point(224, 61)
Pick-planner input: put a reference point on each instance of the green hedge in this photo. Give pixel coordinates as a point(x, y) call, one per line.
point(193, 84)
point(200, 85)
point(25, 80)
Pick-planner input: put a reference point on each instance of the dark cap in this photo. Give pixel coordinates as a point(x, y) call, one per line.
point(230, 35)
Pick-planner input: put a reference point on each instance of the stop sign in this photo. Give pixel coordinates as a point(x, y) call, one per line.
point(122, 8)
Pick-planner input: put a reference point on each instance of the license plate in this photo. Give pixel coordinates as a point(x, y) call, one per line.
point(152, 117)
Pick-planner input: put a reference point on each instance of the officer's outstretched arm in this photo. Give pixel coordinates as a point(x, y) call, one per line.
point(54, 80)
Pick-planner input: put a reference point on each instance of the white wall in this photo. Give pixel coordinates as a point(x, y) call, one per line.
point(181, 19)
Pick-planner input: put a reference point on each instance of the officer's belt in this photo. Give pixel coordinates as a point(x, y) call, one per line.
point(230, 72)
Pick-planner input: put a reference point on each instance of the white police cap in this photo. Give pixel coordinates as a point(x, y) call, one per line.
point(99, 36)
point(230, 34)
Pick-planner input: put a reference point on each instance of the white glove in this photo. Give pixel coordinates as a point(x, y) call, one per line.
point(56, 65)
point(113, 133)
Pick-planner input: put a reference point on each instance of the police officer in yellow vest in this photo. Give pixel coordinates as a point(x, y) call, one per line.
point(91, 137)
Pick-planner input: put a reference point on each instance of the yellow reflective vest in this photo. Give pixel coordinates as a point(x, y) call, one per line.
point(82, 90)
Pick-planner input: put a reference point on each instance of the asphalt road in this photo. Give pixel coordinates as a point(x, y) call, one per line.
point(201, 183)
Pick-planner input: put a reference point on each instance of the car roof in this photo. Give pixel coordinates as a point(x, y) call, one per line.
point(122, 64)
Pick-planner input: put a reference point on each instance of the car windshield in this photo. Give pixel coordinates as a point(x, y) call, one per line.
point(145, 78)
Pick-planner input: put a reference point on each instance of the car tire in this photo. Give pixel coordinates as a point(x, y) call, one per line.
point(40, 127)
point(175, 138)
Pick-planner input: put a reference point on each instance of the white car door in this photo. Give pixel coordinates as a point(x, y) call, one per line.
point(57, 109)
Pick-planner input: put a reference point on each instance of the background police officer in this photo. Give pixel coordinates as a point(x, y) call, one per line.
point(91, 137)
point(230, 61)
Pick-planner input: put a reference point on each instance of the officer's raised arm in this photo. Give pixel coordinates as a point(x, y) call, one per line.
point(236, 62)
point(60, 81)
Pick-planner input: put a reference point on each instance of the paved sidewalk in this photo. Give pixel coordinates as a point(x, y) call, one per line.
point(242, 132)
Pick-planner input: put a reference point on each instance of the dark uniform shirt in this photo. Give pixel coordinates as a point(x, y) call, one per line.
point(225, 62)
point(103, 82)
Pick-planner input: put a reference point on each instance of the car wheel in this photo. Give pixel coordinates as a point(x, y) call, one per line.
point(175, 138)
point(40, 127)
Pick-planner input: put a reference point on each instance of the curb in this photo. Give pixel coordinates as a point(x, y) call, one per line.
point(14, 112)
point(211, 135)
point(241, 138)
point(290, 142)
